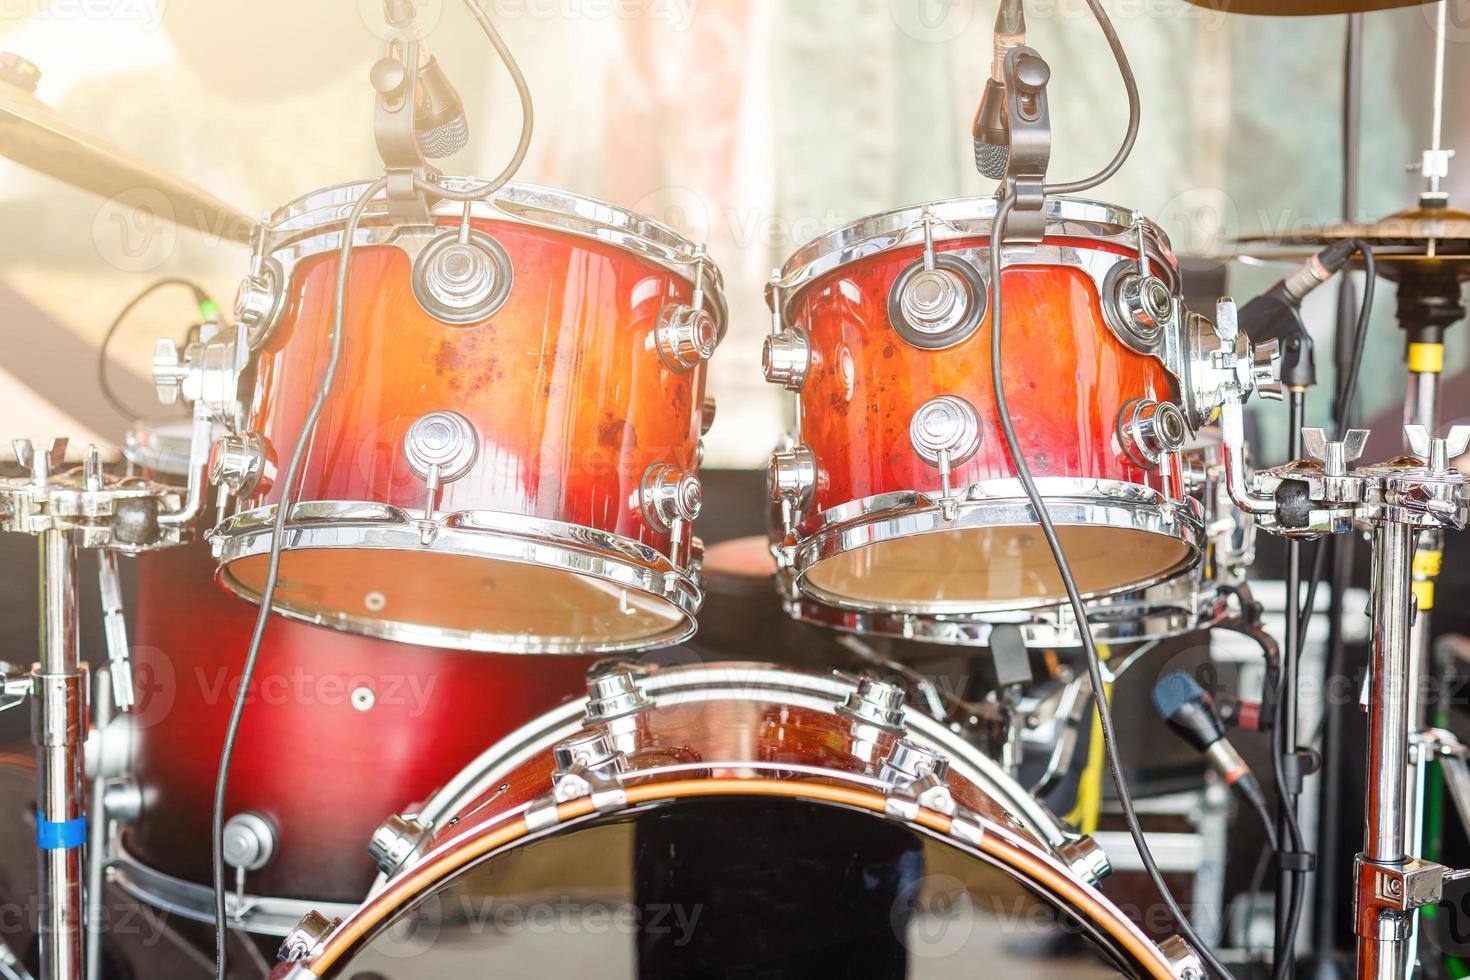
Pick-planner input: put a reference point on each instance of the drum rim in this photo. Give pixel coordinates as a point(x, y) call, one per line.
point(304, 225)
point(368, 526)
point(1070, 501)
point(984, 840)
point(696, 681)
point(1157, 620)
point(956, 219)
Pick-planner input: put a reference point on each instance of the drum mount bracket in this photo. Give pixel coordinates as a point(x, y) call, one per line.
point(1026, 77)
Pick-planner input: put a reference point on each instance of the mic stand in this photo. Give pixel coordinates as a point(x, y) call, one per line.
point(395, 77)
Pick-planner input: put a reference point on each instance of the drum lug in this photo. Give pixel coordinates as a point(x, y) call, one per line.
point(613, 692)
point(939, 300)
point(439, 447)
point(260, 300)
point(945, 432)
point(394, 842)
point(308, 938)
point(916, 776)
point(686, 337)
point(667, 495)
point(1183, 961)
point(876, 703)
point(786, 358)
point(250, 841)
point(966, 829)
point(122, 799)
point(462, 276)
point(589, 765)
point(1149, 430)
point(791, 479)
point(236, 463)
point(1086, 859)
point(707, 415)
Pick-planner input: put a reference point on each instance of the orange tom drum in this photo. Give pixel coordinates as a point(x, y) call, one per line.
point(898, 492)
point(508, 459)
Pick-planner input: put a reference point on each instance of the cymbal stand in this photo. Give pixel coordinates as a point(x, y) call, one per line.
point(67, 512)
point(1394, 501)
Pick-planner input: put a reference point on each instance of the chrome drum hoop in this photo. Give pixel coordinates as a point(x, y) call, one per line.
point(969, 218)
point(1159, 613)
point(312, 225)
point(996, 503)
point(694, 683)
point(262, 915)
point(513, 538)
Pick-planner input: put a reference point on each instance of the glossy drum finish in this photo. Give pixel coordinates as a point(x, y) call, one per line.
point(874, 536)
point(338, 732)
point(721, 735)
point(1194, 600)
point(544, 544)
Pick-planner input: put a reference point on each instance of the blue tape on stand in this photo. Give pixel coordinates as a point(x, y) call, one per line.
point(52, 835)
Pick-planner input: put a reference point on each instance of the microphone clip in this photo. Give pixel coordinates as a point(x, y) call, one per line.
point(1026, 78)
point(395, 78)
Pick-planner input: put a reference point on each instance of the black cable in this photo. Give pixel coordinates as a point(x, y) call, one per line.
point(201, 299)
point(288, 484)
point(1074, 596)
point(1134, 109)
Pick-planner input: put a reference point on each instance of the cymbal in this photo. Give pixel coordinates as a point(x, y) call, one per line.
point(1304, 8)
point(1419, 241)
point(34, 135)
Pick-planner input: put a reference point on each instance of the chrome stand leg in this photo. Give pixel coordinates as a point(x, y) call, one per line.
point(97, 833)
point(59, 715)
point(1382, 929)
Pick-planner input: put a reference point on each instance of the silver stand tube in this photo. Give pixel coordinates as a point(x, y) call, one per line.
point(1383, 932)
point(58, 715)
point(97, 833)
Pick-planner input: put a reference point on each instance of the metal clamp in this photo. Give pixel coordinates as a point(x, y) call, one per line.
point(115, 630)
point(15, 684)
point(1026, 78)
point(308, 938)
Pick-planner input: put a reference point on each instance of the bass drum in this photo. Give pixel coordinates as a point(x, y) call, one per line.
point(731, 819)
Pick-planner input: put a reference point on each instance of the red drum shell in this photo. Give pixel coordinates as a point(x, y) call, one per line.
point(1068, 378)
point(325, 773)
point(572, 403)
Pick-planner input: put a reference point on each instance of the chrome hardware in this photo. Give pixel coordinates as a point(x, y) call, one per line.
point(1266, 370)
point(441, 445)
point(707, 415)
point(15, 684)
point(945, 432)
point(307, 938)
point(1087, 860)
point(1334, 455)
point(115, 630)
point(1141, 307)
point(249, 841)
point(613, 693)
point(937, 301)
point(260, 301)
point(169, 371)
point(236, 462)
point(945, 426)
point(686, 337)
point(122, 799)
point(394, 842)
point(875, 703)
point(207, 370)
point(1149, 430)
point(1184, 963)
point(1223, 365)
point(462, 276)
point(908, 761)
point(667, 494)
point(792, 476)
point(588, 765)
point(786, 358)
point(1437, 453)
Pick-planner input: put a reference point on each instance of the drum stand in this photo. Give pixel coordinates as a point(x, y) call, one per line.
point(66, 513)
point(1395, 500)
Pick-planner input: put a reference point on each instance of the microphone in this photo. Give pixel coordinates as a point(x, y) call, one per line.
point(1190, 713)
point(992, 129)
point(1277, 313)
point(439, 123)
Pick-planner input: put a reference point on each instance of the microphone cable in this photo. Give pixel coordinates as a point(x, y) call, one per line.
point(298, 453)
point(1043, 516)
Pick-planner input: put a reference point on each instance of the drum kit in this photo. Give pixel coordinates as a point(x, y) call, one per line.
point(452, 436)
